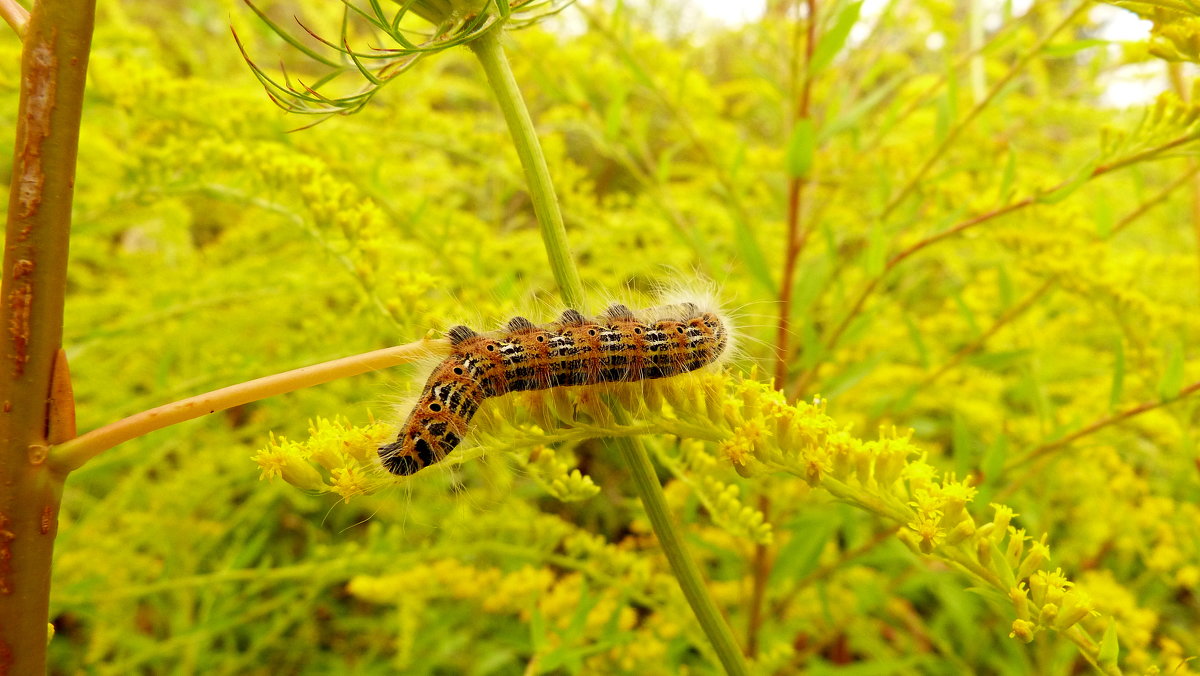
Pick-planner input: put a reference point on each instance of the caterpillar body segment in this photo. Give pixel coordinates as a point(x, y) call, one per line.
point(616, 347)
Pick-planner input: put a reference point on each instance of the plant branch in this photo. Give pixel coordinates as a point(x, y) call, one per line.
point(1121, 416)
point(685, 568)
point(541, 189)
point(16, 16)
point(953, 133)
point(875, 281)
point(856, 307)
point(977, 344)
point(56, 43)
point(796, 234)
point(71, 455)
point(1158, 198)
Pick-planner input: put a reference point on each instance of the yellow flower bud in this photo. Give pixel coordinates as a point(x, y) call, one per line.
point(1022, 630)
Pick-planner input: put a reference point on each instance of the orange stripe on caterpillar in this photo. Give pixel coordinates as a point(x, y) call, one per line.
point(616, 347)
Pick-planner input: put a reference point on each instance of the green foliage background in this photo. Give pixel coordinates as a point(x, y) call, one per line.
point(211, 246)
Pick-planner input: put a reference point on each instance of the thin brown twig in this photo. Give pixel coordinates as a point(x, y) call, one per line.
point(71, 455)
point(762, 566)
point(16, 16)
point(856, 307)
point(1022, 307)
point(1062, 442)
point(797, 235)
point(860, 301)
point(953, 133)
point(1159, 198)
point(975, 345)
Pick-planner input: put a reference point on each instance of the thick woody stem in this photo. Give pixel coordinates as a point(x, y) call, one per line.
point(57, 38)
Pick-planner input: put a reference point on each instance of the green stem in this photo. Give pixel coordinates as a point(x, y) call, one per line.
point(545, 205)
point(54, 60)
point(685, 568)
point(541, 188)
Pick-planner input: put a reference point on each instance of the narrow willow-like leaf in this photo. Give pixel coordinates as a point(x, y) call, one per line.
point(1118, 377)
point(801, 147)
point(834, 39)
point(1172, 377)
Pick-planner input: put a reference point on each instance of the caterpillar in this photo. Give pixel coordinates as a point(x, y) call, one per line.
point(615, 347)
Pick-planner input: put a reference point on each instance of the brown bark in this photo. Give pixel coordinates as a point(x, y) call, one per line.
point(53, 67)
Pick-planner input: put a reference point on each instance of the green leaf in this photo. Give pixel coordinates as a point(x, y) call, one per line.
point(998, 361)
point(992, 462)
point(875, 256)
point(1083, 175)
point(849, 118)
point(947, 108)
point(800, 556)
point(965, 310)
point(1004, 282)
point(962, 443)
point(537, 628)
point(834, 39)
point(737, 161)
point(615, 114)
point(1008, 177)
point(1066, 49)
point(914, 333)
point(801, 148)
point(851, 375)
point(751, 253)
point(1103, 213)
point(662, 170)
point(1118, 379)
point(814, 349)
point(1110, 648)
point(1172, 378)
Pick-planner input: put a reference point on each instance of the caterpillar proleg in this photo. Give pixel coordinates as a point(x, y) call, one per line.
point(619, 346)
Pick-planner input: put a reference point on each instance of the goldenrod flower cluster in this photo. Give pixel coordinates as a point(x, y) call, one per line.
point(752, 430)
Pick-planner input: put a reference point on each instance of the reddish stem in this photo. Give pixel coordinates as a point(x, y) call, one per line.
point(796, 238)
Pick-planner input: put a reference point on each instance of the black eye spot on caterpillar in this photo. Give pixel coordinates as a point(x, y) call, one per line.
point(616, 347)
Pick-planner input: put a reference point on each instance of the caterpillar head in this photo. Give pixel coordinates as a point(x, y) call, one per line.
point(437, 421)
point(426, 438)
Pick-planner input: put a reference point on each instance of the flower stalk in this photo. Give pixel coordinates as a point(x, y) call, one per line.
point(495, 64)
point(488, 50)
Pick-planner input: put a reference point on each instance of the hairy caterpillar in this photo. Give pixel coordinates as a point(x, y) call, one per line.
point(616, 347)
